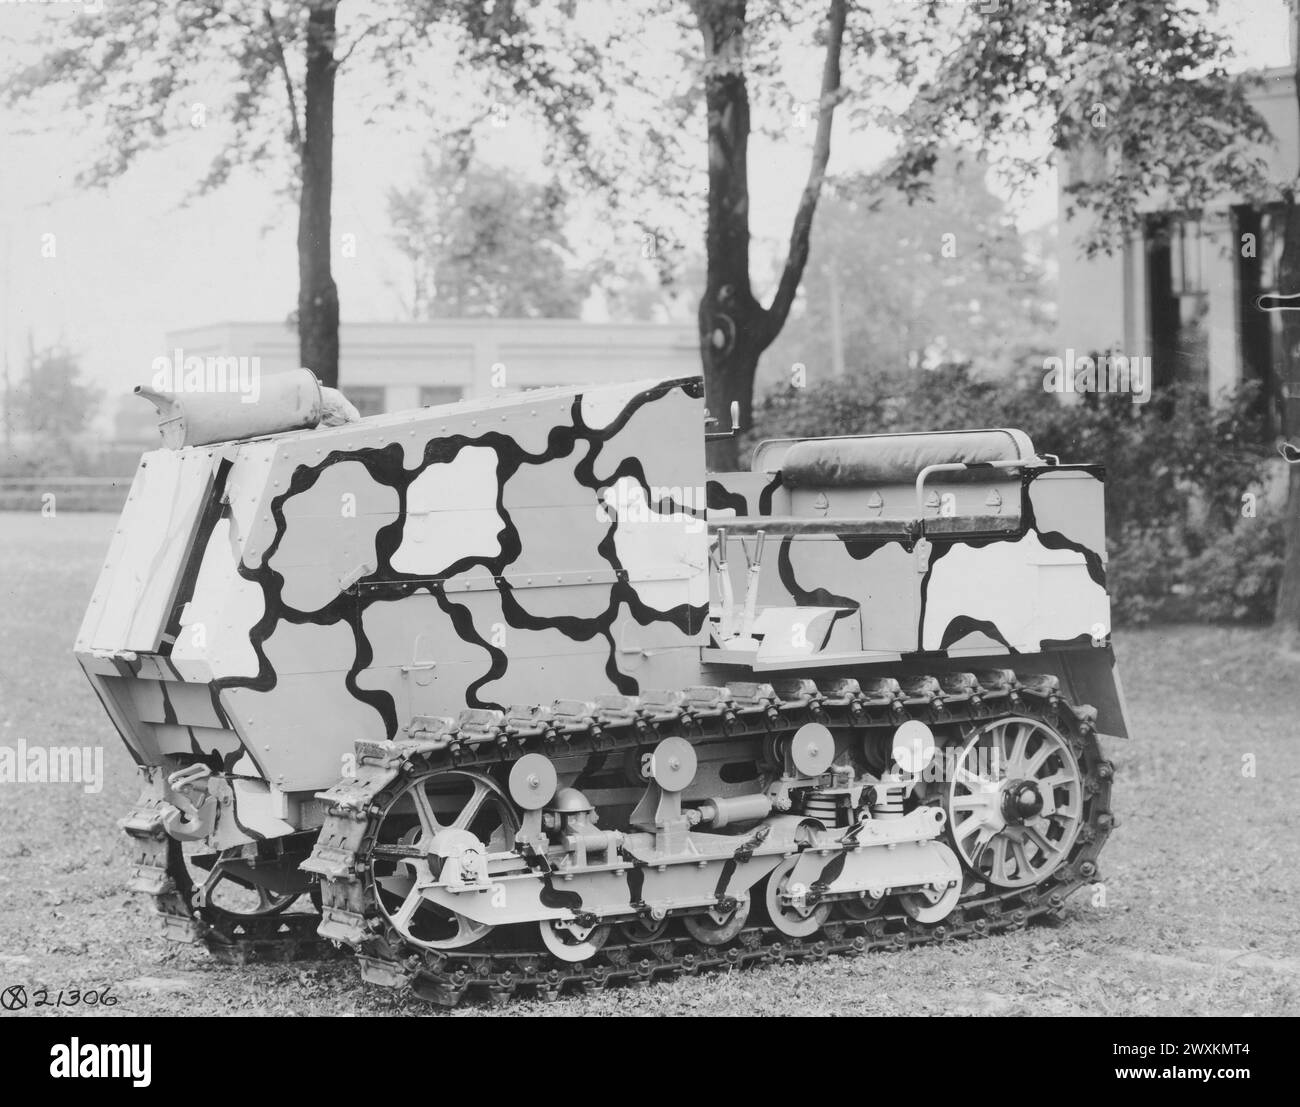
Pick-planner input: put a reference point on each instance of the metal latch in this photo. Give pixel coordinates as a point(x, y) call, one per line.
point(922, 554)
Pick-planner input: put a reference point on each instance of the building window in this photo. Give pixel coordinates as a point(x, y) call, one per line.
point(1260, 330)
point(431, 395)
point(367, 400)
point(1187, 258)
point(1178, 301)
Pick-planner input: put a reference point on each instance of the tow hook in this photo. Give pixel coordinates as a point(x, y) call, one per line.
point(190, 811)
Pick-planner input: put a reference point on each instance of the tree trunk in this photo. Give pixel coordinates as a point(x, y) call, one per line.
point(318, 296)
point(730, 319)
point(1287, 614)
point(735, 328)
point(1286, 617)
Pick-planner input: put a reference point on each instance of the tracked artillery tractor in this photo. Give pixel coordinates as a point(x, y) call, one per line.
point(509, 694)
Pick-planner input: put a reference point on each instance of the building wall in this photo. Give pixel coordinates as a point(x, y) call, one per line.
point(1104, 302)
point(480, 357)
point(1094, 294)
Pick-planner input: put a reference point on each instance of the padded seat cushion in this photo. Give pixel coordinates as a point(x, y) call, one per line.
point(895, 458)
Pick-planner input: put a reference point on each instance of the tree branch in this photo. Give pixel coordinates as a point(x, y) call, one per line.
point(801, 233)
point(221, 11)
point(365, 33)
point(277, 51)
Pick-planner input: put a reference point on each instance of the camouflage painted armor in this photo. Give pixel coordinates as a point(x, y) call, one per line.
point(523, 662)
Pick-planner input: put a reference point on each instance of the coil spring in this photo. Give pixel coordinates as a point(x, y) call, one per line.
point(889, 800)
point(826, 809)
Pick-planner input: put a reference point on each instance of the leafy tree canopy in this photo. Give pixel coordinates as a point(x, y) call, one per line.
point(486, 242)
point(946, 279)
point(52, 403)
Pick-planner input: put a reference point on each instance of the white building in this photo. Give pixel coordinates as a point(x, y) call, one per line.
point(1184, 291)
point(395, 366)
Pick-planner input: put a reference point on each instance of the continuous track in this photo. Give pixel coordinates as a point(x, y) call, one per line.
point(953, 704)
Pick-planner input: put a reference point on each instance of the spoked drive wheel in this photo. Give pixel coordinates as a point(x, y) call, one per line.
point(1015, 802)
point(434, 817)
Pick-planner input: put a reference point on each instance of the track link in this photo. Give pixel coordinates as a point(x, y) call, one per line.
point(483, 739)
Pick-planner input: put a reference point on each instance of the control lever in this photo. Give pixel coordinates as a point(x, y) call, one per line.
point(715, 436)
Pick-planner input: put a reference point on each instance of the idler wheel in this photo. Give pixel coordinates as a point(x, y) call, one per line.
point(1015, 803)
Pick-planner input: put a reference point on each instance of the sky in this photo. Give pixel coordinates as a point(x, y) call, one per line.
point(127, 265)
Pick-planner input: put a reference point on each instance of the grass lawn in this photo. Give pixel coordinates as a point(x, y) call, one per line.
point(1201, 896)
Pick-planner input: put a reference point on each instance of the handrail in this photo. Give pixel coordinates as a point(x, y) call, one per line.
point(959, 467)
point(807, 526)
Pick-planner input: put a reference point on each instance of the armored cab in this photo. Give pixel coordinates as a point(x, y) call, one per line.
point(497, 692)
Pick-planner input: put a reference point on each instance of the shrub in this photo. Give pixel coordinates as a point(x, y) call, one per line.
point(1176, 469)
point(1142, 575)
point(1236, 577)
